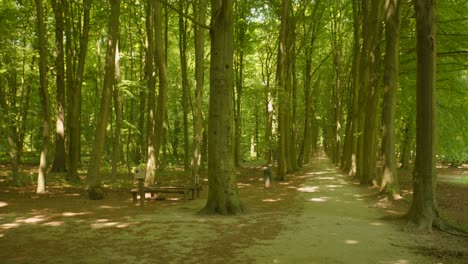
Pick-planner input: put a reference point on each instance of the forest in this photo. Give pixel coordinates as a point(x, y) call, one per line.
point(203, 90)
point(318, 96)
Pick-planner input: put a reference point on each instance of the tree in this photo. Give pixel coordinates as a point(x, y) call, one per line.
point(93, 177)
point(185, 85)
point(423, 211)
point(44, 94)
point(59, 157)
point(389, 182)
point(75, 83)
point(199, 39)
point(151, 86)
point(223, 197)
point(160, 62)
point(281, 73)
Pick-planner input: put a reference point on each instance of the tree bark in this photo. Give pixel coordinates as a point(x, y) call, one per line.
point(59, 158)
point(12, 138)
point(184, 76)
point(223, 197)
point(281, 73)
point(199, 40)
point(44, 95)
point(162, 96)
point(389, 183)
point(423, 211)
point(74, 84)
point(117, 96)
point(93, 176)
point(151, 86)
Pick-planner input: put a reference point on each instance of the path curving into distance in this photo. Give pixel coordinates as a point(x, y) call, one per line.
point(336, 225)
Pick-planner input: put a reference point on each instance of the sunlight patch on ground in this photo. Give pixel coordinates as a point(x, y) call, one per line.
point(270, 200)
point(319, 200)
point(351, 242)
point(3, 204)
point(318, 173)
point(326, 178)
point(109, 207)
point(9, 226)
point(54, 223)
point(70, 214)
point(72, 194)
point(32, 220)
point(308, 189)
point(377, 224)
point(2, 235)
point(334, 186)
point(103, 225)
point(243, 185)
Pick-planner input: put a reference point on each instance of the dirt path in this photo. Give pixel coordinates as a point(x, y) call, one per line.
point(315, 217)
point(336, 225)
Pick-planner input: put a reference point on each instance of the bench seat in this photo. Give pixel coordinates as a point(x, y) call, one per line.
point(194, 189)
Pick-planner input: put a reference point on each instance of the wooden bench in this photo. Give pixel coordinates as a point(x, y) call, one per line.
point(195, 189)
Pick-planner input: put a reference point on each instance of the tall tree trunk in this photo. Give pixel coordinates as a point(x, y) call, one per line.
point(389, 182)
point(93, 176)
point(162, 96)
point(423, 211)
point(240, 31)
point(281, 73)
point(184, 76)
point(350, 156)
point(141, 106)
point(151, 86)
point(59, 158)
point(199, 39)
point(266, 76)
point(407, 143)
point(117, 96)
point(12, 138)
point(44, 94)
point(372, 91)
point(75, 83)
point(223, 197)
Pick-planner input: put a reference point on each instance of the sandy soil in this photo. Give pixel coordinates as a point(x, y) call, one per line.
point(317, 216)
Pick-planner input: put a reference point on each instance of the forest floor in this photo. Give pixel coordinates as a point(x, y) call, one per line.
point(317, 216)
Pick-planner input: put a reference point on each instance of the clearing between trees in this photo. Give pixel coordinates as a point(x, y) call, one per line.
point(317, 216)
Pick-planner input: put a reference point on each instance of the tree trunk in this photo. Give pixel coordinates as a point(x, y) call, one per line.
point(199, 40)
point(162, 96)
point(151, 85)
point(59, 158)
point(372, 90)
point(44, 94)
point(74, 84)
point(12, 138)
point(281, 73)
point(389, 183)
point(423, 211)
point(93, 176)
point(350, 155)
point(407, 143)
point(184, 76)
point(117, 96)
point(223, 197)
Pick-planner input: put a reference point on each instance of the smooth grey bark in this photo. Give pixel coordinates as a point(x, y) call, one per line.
point(223, 196)
point(93, 175)
point(44, 95)
point(59, 164)
point(199, 39)
point(389, 181)
point(423, 211)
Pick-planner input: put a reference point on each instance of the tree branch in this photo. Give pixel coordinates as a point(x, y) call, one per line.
point(452, 52)
point(180, 12)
